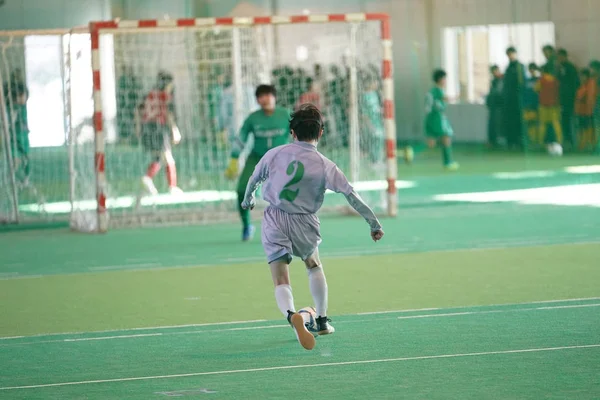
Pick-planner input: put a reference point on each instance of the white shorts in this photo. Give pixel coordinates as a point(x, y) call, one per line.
point(284, 235)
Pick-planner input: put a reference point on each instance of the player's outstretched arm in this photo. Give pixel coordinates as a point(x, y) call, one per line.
point(337, 182)
point(259, 175)
point(365, 211)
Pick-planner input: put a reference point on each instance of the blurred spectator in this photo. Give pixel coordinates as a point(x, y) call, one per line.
point(569, 82)
point(495, 103)
point(549, 114)
point(514, 83)
point(531, 104)
point(338, 100)
point(313, 95)
point(19, 132)
point(129, 92)
point(372, 123)
point(15, 82)
point(584, 109)
point(227, 107)
point(550, 54)
point(595, 75)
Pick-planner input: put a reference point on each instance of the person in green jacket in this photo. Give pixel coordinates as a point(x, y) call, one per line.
point(19, 133)
point(270, 127)
point(437, 125)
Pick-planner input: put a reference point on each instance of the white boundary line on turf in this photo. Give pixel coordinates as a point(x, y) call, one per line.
point(482, 305)
point(261, 327)
point(341, 254)
point(286, 367)
point(257, 321)
point(140, 329)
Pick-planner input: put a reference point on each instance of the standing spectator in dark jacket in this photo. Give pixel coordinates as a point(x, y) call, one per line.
point(514, 84)
point(569, 83)
point(494, 102)
point(550, 54)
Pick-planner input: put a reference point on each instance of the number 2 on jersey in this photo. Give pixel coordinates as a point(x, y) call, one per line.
point(295, 168)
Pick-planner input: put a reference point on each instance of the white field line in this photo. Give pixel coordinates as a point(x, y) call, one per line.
point(446, 247)
point(142, 329)
point(112, 337)
point(264, 320)
point(261, 327)
point(125, 267)
point(301, 366)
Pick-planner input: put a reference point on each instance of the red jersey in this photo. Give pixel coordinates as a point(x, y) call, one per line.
point(156, 107)
point(586, 98)
point(549, 91)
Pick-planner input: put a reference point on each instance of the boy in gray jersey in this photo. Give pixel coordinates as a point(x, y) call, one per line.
point(296, 177)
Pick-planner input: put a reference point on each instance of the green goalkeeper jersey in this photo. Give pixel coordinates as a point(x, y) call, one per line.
point(269, 131)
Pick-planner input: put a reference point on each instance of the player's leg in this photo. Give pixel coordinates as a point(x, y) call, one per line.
point(167, 156)
point(277, 246)
point(152, 143)
point(449, 163)
point(530, 117)
point(543, 127)
point(151, 171)
point(319, 290)
point(556, 124)
point(281, 280)
point(248, 229)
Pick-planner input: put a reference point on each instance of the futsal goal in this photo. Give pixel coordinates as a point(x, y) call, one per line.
point(342, 63)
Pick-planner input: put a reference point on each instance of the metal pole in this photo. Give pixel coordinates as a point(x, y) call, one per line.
point(69, 121)
point(237, 81)
point(354, 134)
point(7, 142)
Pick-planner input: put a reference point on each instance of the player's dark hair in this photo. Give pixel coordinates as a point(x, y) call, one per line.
point(511, 50)
point(265, 89)
point(494, 68)
point(548, 47)
point(438, 75)
point(563, 52)
point(533, 66)
point(307, 123)
point(586, 72)
point(164, 78)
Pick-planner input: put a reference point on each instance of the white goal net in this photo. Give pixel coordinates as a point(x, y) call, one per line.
point(214, 66)
point(35, 75)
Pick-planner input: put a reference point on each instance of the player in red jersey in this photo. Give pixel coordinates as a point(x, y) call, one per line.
point(158, 131)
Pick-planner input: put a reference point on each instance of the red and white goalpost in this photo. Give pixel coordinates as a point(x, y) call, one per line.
point(212, 58)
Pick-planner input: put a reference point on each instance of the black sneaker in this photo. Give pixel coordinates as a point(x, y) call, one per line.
point(324, 327)
point(306, 339)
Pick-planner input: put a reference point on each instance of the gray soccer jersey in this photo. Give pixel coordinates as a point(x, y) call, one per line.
point(296, 177)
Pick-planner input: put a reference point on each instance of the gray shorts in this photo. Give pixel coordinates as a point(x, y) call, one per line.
point(284, 235)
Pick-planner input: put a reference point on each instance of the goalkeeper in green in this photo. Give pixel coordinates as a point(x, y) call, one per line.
point(270, 127)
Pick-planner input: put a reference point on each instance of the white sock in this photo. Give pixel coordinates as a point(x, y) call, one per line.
point(285, 299)
point(318, 288)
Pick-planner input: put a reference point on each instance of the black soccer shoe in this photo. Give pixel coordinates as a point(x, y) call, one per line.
point(324, 327)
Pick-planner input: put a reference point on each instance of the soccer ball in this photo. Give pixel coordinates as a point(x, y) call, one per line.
point(309, 314)
point(555, 149)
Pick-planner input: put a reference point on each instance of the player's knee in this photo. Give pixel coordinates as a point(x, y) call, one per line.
point(312, 262)
point(169, 158)
point(446, 141)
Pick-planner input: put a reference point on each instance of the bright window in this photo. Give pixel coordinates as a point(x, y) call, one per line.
point(469, 51)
